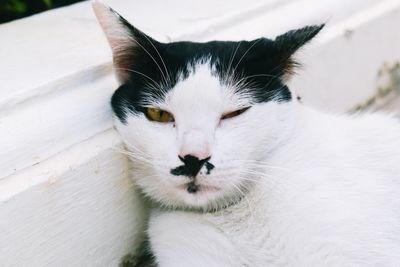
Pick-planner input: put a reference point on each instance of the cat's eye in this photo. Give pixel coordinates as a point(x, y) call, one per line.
point(159, 115)
point(234, 113)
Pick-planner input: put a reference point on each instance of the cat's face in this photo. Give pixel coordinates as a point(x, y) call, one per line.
point(199, 119)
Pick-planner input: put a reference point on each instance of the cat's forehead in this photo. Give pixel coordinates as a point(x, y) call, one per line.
point(188, 73)
point(203, 89)
point(212, 70)
point(215, 50)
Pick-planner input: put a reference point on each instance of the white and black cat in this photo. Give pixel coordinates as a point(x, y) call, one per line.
point(241, 174)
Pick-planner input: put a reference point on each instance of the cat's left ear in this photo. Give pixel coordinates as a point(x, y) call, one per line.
point(288, 43)
point(128, 44)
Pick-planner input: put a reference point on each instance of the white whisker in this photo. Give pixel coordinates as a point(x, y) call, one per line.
point(149, 54)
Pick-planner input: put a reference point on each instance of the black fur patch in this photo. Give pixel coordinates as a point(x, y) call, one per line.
point(142, 258)
point(192, 188)
point(191, 166)
point(261, 63)
point(209, 167)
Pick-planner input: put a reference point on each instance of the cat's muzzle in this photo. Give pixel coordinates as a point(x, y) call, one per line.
point(190, 168)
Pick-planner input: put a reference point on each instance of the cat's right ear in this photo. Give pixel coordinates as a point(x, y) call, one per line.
point(127, 42)
point(288, 43)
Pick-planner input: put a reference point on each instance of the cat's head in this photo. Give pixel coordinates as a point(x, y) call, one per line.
point(199, 119)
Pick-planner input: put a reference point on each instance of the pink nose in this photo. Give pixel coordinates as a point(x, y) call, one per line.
point(195, 144)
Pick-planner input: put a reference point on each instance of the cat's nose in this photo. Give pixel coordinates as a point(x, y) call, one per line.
point(199, 155)
point(195, 144)
point(191, 167)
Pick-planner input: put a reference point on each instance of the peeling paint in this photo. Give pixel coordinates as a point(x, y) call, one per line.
point(389, 84)
point(348, 33)
point(52, 180)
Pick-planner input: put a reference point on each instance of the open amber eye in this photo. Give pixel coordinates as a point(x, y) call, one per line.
point(159, 115)
point(234, 113)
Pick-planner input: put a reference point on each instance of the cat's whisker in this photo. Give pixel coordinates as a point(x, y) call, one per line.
point(140, 156)
point(227, 74)
point(262, 164)
point(259, 176)
point(245, 53)
point(243, 194)
point(135, 151)
point(138, 72)
point(149, 54)
point(257, 75)
point(270, 182)
point(162, 60)
point(136, 154)
point(253, 180)
point(136, 157)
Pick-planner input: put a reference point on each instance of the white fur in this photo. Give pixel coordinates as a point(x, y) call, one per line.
point(302, 188)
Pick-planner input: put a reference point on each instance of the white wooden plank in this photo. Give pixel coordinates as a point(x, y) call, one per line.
point(36, 129)
point(77, 209)
point(282, 18)
point(341, 67)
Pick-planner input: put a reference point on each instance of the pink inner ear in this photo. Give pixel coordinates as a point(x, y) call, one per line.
point(118, 37)
point(122, 65)
point(109, 20)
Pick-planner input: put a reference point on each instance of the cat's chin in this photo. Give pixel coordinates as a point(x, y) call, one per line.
point(201, 196)
point(206, 198)
point(198, 189)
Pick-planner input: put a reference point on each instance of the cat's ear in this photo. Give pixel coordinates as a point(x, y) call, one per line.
point(127, 42)
point(288, 43)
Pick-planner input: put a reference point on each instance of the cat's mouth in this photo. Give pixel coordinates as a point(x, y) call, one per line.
point(194, 188)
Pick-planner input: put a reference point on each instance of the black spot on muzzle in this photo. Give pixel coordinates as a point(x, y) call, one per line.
point(191, 166)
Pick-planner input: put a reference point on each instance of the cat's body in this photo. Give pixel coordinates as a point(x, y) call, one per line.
point(241, 174)
point(330, 200)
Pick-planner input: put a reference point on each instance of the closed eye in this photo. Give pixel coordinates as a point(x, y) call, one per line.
point(234, 113)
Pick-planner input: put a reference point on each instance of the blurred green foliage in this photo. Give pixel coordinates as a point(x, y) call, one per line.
point(15, 9)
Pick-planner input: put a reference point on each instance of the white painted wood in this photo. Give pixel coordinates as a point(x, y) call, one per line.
point(65, 194)
point(77, 209)
point(284, 17)
point(45, 125)
point(341, 70)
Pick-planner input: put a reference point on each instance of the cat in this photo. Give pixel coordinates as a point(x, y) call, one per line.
point(242, 174)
